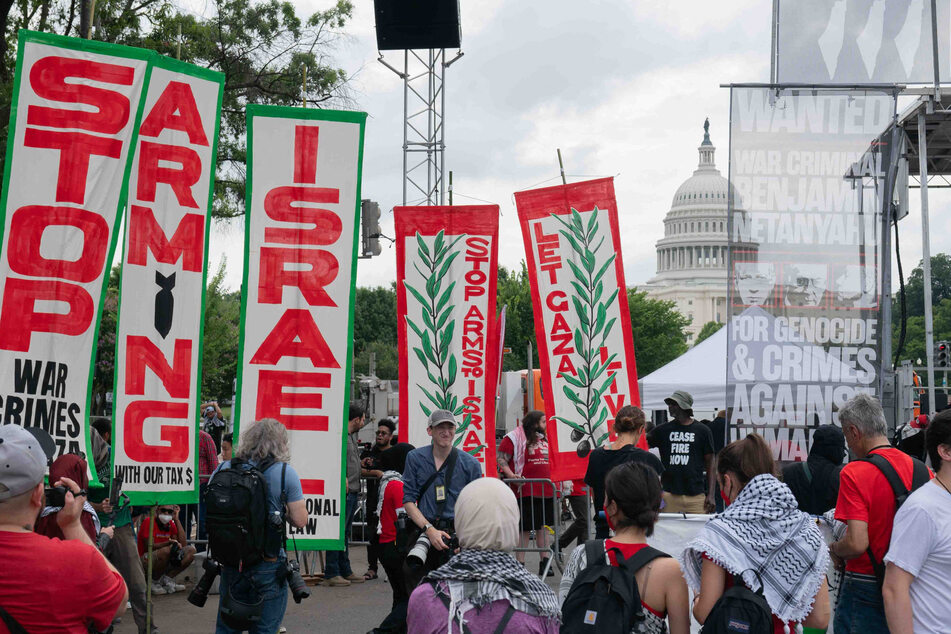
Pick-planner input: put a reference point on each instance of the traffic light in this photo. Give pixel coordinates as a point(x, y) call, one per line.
point(941, 358)
point(370, 221)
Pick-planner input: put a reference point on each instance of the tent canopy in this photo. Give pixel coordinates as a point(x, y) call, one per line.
point(701, 371)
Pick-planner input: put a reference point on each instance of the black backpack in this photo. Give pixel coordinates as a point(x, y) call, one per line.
point(604, 599)
point(236, 509)
point(919, 477)
point(740, 611)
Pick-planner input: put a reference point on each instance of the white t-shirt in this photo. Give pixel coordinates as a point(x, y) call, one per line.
point(921, 546)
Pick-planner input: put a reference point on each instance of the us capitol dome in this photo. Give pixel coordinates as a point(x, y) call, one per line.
point(691, 257)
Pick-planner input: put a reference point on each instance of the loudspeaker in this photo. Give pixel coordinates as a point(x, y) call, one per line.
point(417, 24)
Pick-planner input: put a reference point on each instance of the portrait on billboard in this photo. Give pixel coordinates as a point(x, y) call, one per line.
point(755, 282)
point(855, 286)
point(805, 284)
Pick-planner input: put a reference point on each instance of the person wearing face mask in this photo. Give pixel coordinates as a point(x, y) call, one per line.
point(48, 585)
point(170, 553)
point(761, 532)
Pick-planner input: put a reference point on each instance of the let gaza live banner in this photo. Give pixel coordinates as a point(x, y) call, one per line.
point(164, 265)
point(303, 205)
point(446, 272)
point(582, 319)
point(75, 112)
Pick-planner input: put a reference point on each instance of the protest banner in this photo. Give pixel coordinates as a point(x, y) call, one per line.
point(582, 319)
point(808, 181)
point(303, 202)
point(164, 266)
point(446, 271)
point(76, 108)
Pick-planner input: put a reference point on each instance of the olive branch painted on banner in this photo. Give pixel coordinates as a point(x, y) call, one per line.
point(587, 291)
point(435, 337)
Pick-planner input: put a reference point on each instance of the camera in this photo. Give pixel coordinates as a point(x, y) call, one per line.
point(177, 555)
point(294, 581)
point(199, 594)
point(56, 496)
point(420, 549)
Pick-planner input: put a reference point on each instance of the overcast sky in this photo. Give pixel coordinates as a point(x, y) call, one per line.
point(621, 87)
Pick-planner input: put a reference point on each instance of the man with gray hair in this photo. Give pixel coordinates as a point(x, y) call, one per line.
point(869, 488)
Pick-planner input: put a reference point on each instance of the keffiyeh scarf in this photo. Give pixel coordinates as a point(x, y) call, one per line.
point(479, 577)
point(87, 508)
point(520, 443)
point(763, 531)
point(388, 476)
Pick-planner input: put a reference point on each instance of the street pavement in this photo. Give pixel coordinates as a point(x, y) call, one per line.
point(357, 608)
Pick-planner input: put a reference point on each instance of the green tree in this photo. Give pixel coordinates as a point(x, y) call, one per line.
point(915, 345)
point(658, 330)
point(708, 330)
point(104, 372)
point(915, 286)
point(513, 291)
point(221, 338)
point(374, 331)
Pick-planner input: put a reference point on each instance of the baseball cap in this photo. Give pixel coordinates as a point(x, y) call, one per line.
point(22, 461)
point(681, 398)
point(441, 416)
point(209, 410)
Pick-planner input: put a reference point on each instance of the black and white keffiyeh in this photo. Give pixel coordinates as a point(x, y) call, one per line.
point(388, 476)
point(479, 577)
point(764, 531)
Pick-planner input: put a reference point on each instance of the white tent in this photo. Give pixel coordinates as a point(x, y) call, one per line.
point(701, 371)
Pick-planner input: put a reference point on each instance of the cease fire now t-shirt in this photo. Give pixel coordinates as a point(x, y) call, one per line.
point(682, 450)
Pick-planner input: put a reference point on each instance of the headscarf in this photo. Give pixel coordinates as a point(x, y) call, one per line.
point(73, 467)
point(762, 535)
point(483, 571)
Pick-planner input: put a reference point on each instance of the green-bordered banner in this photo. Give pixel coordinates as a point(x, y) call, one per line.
point(302, 210)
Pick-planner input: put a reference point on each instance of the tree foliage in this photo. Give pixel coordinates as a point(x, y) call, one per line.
point(658, 330)
point(915, 344)
point(374, 331)
point(513, 291)
point(221, 338)
point(709, 329)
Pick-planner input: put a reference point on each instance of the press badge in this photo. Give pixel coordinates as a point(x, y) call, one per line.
point(440, 492)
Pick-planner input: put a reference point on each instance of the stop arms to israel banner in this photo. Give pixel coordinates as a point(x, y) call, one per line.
point(164, 266)
point(582, 319)
point(303, 201)
point(446, 272)
point(809, 175)
point(75, 111)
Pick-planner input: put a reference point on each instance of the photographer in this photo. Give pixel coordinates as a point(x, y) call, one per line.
point(432, 481)
point(170, 553)
point(263, 446)
point(48, 585)
point(73, 467)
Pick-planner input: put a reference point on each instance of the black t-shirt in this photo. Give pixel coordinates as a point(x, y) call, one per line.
point(682, 448)
point(373, 485)
point(603, 460)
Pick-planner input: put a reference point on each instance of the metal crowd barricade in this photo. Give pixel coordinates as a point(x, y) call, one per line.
point(362, 514)
point(526, 507)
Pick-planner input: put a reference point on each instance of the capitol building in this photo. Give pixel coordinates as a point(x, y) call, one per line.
point(691, 257)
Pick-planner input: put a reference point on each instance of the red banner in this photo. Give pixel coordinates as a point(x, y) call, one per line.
point(446, 268)
point(582, 320)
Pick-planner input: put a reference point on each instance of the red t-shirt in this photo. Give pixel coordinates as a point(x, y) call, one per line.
point(628, 550)
point(392, 501)
point(49, 585)
point(536, 466)
point(865, 495)
point(162, 535)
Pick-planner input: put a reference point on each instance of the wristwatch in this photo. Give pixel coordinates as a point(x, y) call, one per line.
point(427, 527)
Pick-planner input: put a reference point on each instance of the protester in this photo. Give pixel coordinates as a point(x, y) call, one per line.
point(629, 424)
point(389, 507)
point(762, 537)
point(103, 425)
point(121, 549)
point(577, 500)
point(215, 422)
point(917, 583)
point(73, 467)
point(866, 503)
point(337, 571)
point(265, 443)
point(433, 478)
point(483, 588)
point(171, 554)
point(371, 470)
point(815, 482)
point(207, 463)
point(536, 501)
point(633, 495)
point(48, 585)
point(686, 449)
point(227, 444)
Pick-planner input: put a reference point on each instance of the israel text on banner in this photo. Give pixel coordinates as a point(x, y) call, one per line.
point(303, 202)
point(158, 346)
point(808, 180)
point(76, 110)
point(446, 271)
point(582, 320)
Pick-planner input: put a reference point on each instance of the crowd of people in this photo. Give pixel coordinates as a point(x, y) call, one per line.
point(862, 546)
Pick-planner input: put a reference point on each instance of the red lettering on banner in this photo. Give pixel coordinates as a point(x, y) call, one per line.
point(141, 352)
point(187, 243)
point(614, 406)
point(612, 368)
point(176, 451)
point(29, 224)
point(473, 343)
point(566, 366)
point(20, 319)
point(295, 335)
point(560, 306)
point(305, 154)
point(326, 224)
point(175, 109)
point(48, 80)
point(75, 148)
point(275, 276)
point(477, 252)
point(272, 398)
point(180, 180)
point(547, 247)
